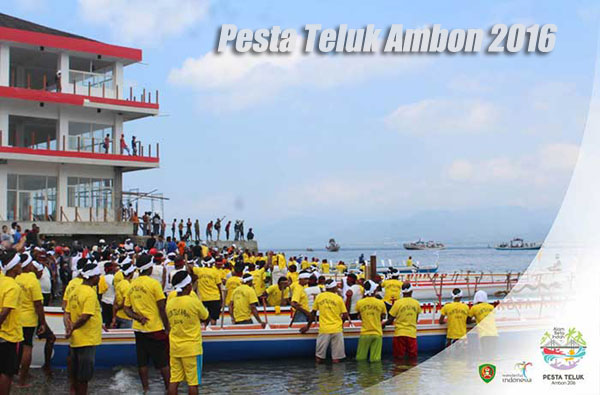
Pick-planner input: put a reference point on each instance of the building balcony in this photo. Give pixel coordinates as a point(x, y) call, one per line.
point(83, 89)
point(83, 151)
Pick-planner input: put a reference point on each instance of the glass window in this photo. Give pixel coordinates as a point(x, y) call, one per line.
point(89, 192)
point(31, 197)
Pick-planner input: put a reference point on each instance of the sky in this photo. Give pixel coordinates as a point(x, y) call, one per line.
point(342, 140)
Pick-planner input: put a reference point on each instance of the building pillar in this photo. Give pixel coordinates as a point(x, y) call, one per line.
point(118, 79)
point(62, 126)
point(3, 190)
point(117, 131)
point(4, 65)
point(61, 191)
point(4, 126)
point(63, 65)
point(118, 193)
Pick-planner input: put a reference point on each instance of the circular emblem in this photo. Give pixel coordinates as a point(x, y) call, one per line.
point(563, 348)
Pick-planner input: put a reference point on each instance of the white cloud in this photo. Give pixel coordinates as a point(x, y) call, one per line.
point(230, 81)
point(539, 168)
point(141, 21)
point(445, 116)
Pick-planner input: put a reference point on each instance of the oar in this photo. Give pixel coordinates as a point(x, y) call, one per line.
point(264, 303)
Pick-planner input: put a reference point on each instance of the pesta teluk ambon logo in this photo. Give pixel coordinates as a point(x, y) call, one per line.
point(563, 349)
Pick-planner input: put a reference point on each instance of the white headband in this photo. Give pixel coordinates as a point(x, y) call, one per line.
point(184, 283)
point(146, 266)
point(458, 295)
point(373, 288)
point(331, 285)
point(92, 272)
point(407, 290)
point(480, 297)
point(13, 262)
point(304, 275)
point(129, 270)
point(247, 279)
point(27, 261)
point(125, 261)
point(38, 266)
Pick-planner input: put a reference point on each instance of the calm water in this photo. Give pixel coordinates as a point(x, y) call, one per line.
point(300, 375)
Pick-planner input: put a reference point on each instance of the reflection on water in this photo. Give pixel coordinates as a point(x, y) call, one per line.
point(290, 376)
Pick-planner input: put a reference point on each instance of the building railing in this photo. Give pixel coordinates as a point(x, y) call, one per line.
point(87, 84)
point(79, 144)
point(69, 214)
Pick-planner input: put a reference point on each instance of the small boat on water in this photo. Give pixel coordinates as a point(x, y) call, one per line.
point(518, 244)
point(424, 245)
point(332, 246)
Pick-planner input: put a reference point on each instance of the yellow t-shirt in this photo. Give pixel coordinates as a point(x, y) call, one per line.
point(85, 301)
point(232, 283)
point(243, 297)
point(304, 264)
point(258, 281)
point(121, 291)
point(341, 269)
point(281, 260)
point(10, 297)
point(457, 314)
point(185, 337)
point(406, 311)
point(102, 285)
point(371, 310)
point(330, 306)
point(293, 277)
point(71, 286)
point(118, 278)
point(392, 288)
point(204, 251)
point(325, 267)
point(299, 296)
point(274, 295)
point(31, 292)
point(143, 294)
point(209, 280)
point(485, 318)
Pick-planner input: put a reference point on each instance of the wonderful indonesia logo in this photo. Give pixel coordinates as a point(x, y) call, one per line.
point(520, 375)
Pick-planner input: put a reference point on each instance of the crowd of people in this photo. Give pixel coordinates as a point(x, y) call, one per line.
point(152, 224)
point(167, 291)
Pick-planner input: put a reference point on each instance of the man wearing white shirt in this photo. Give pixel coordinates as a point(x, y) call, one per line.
point(352, 295)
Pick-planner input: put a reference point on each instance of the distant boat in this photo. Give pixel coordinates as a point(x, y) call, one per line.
point(309, 249)
point(422, 245)
point(332, 246)
point(518, 244)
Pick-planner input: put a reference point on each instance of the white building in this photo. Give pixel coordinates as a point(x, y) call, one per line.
point(60, 96)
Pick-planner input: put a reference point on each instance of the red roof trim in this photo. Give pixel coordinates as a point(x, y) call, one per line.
point(67, 98)
point(69, 43)
point(78, 154)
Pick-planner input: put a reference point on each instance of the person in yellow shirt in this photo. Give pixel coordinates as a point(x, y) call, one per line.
point(300, 298)
point(409, 261)
point(332, 314)
point(145, 304)
point(371, 311)
point(391, 288)
point(304, 264)
point(293, 274)
point(325, 266)
point(279, 294)
point(341, 268)
point(243, 303)
point(457, 314)
point(405, 315)
point(233, 282)
point(209, 289)
point(120, 319)
point(31, 312)
point(483, 312)
point(259, 277)
point(185, 312)
point(11, 332)
point(85, 331)
point(75, 282)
